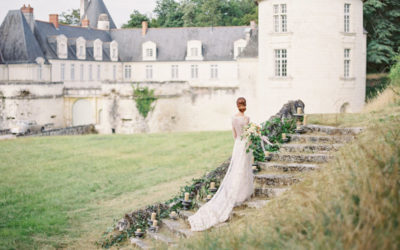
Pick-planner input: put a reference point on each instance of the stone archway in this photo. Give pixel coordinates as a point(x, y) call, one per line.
point(83, 113)
point(345, 108)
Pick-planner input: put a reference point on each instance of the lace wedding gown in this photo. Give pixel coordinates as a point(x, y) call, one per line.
point(236, 187)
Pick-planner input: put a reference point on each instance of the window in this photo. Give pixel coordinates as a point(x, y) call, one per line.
point(149, 72)
point(346, 17)
point(346, 63)
point(128, 71)
point(240, 50)
point(149, 52)
point(280, 17)
point(114, 72)
point(81, 72)
point(114, 53)
point(214, 71)
point(90, 72)
point(81, 51)
point(174, 72)
point(40, 72)
point(62, 72)
point(194, 51)
point(72, 72)
point(99, 72)
point(195, 71)
point(281, 62)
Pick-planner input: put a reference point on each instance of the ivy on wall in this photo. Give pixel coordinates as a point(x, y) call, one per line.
point(144, 98)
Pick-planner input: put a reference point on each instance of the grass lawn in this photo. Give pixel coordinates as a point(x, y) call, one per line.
point(58, 192)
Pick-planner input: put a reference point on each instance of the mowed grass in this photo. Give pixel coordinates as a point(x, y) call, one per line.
point(63, 192)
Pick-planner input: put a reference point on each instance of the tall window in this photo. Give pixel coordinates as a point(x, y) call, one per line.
point(81, 72)
point(149, 72)
point(194, 51)
point(174, 72)
point(62, 71)
point(346, 63)
point(214, 71)
point(128, 72)
point(281, 62)
point(90, 72)
point(280, 17)
point(114, 72)
point(149, 52)
point(195, 71)
point(99, 72)
point(72, 72)
point(40, 72)
point(346, 17)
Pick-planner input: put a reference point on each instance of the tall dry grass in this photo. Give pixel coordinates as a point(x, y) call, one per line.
point(352, 203)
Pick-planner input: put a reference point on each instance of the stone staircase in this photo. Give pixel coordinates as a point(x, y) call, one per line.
point(305, 152)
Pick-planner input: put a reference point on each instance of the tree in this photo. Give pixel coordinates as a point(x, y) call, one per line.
point(71, 17)
point(169, 13)
point(382, 21)
point(136, 19)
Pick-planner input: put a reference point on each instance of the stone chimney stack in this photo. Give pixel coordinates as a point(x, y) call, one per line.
point(84, 5)
point(53, 18)
point(85, 23)
point(145, 26)
point(28, 13)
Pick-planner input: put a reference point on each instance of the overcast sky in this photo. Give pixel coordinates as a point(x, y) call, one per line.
point(119, 9)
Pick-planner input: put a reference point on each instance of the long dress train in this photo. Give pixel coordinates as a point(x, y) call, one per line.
point(236, 187)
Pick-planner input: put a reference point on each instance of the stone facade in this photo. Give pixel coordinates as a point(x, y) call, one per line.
point(81, 75)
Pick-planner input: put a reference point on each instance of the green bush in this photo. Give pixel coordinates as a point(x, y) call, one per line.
point(144, 98)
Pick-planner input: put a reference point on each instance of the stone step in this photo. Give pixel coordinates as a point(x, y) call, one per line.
point(287, 167)
point(269, 192)
point(158, 236)
point(178, 228)
point(185, 214)
point(332, 139)
point(332, 130)
point(140, 243)
point(256, 204)
point(301, 158)
point(268, 180)
point(309, 148)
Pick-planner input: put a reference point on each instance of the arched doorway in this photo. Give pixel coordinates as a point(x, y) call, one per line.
point(83, 113)
point(345, 108)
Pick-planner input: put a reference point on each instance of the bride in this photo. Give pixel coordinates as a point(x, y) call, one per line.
point(237, 185)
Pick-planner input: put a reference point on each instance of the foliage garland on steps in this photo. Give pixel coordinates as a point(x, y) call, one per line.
point(198, 188)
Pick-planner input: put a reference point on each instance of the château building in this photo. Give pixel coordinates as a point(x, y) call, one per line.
point(314, 50)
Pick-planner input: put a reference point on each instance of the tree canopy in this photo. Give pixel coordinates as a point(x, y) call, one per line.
point(71, 17)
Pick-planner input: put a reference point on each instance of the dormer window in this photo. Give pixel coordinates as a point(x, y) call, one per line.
point(81, 48)
point(62, 49)
point(149, 51)
point(98, 50)
point(194, 51)
point(239, 46)
point(114, 51)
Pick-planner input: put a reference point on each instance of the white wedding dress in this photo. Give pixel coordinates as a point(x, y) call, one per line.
point(236, 187)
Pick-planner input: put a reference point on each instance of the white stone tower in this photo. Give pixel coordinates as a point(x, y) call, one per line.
point(314, 50)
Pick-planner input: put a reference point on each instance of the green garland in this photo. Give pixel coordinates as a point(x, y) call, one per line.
point(144, 98)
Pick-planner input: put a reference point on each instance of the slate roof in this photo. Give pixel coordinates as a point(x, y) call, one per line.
point(94, 10)
point(251, 50)
point(46, 34)
point(17, 42)
point(171, 43)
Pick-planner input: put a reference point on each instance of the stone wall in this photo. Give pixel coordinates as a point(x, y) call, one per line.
point(5, 132)
point(77, 130)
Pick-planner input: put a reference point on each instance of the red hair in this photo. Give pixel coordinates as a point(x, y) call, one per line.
point(241, 104)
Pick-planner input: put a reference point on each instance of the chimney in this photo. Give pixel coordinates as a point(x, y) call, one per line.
point(145, 26)
point(253, 25)
point(53, 18)
point(28, 14)
point(85, 23)
point(84, 5)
